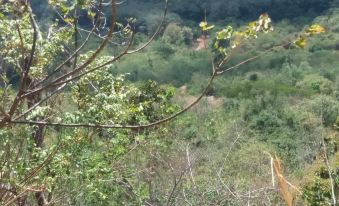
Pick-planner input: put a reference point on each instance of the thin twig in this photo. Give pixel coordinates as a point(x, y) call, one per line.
point(326, 157)
point(25, 72)
point(39, 103)
point(189, 163)
point(222, 71)
point(175, 185)
point(87, 62)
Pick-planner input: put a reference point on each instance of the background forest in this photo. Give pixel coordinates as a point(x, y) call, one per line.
point(265, 133)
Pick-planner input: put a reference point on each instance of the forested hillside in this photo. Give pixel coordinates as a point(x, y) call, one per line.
point(179, 102)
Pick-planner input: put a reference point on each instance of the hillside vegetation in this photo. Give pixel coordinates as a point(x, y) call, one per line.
point(266, 132)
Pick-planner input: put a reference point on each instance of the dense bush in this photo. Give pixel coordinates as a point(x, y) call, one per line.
point(178, 35)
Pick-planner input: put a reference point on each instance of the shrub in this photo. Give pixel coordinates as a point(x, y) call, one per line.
point(324, 106)
point(316, 83)
point(178, 35)
point(163, 48)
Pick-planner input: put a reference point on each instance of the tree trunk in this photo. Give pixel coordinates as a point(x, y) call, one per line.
point(38, 137)
point(1, 72)
point(41, 199)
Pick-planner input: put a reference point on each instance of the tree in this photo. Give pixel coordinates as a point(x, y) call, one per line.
point(55, 141)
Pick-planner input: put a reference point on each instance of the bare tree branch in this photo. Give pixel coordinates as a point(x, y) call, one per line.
point(87, 62)
point(40, 102)
point(25, 71)
point(216, 72)
point(222, 71)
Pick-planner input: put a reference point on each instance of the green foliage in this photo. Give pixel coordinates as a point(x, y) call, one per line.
point(318, 189)
point(164, 48)
point(282, 103)
point(318, 193)
point(100, 97)
point(178, 35)
point(325, 107)
point(248, 9)
point(316, 83)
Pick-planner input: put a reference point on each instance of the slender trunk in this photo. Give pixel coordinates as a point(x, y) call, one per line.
point(150, 177)
point(38, 137)
point(41, 199)
point(1, 71)
point(38, 133)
